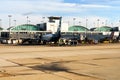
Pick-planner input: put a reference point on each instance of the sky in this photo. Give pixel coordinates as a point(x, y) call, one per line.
point(107, 11)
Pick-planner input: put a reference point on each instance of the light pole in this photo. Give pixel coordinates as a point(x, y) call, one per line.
point(14, 22)
point(9, 20)
point(68, 23)
point(119, 23)
point(86, 27)
point(111, 24)
point(80, 23)
point(43, 18)
point(27, 19)
point(1, 23)
point(74, 21)
point(86, 23)
point(98, 24)
point(28, 27)
point(94, 24)
point(105, 22)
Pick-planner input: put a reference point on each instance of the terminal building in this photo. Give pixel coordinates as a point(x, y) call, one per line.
point(78, 28)
point(24, 27)
point(30, 32)
point(103, 29)
point(50, 26)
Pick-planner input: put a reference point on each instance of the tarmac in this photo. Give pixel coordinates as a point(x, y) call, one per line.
point(89, 62)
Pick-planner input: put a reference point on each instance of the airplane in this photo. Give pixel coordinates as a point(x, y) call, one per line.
point(101, 38)
point(52, 37)
point(69, 39)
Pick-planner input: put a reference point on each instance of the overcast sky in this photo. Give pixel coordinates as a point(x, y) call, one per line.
point(104, 10)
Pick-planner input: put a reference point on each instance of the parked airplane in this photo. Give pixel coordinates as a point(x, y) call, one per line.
point(69, 39)
point(112, 37)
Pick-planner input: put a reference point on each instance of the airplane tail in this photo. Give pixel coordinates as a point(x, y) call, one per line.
point(114, 33)
point(58, 33)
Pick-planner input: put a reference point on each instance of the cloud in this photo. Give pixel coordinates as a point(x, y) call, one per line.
point(19, 9)
point(27, 13)
point(44, 6)
point(95, 6)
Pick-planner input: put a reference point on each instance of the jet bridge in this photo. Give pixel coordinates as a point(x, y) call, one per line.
point(21, 37)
